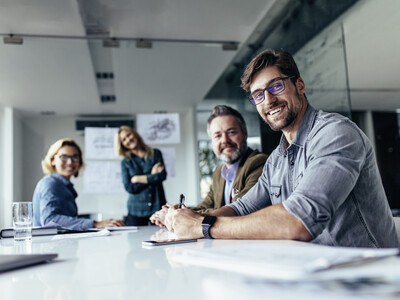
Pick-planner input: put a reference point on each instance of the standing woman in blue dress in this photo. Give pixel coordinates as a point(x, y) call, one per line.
point(142, 172)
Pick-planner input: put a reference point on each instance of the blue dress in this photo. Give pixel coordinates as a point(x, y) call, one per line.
point(144, 198)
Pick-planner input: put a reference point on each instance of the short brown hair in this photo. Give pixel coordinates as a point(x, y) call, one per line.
point(48, 168)
point(270, 58)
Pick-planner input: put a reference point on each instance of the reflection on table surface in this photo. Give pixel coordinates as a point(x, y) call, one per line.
point(118, 267)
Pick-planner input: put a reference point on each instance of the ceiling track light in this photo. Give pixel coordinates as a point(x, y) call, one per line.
point(230, 46)
point(14, 40)
point(112, 43)
point(97, 31)
point(144, 44)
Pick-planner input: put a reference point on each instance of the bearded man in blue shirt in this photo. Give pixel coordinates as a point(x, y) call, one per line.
point(321, 184)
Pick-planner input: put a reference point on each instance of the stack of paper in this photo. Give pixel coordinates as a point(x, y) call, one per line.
point(271, 259)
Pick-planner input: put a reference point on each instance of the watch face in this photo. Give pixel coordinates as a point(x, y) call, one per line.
point(209, 220)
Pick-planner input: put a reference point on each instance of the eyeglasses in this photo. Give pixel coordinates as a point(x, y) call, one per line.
point(274, 88)
point(64, 158)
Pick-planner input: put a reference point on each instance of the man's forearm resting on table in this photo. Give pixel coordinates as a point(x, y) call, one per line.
point(273, 222)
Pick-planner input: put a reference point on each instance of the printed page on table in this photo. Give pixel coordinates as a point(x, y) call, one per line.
point(281, 259)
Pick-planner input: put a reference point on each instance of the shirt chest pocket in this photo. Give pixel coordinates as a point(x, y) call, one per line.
point(276, 193)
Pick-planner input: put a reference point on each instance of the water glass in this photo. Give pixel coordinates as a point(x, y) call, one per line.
point(22, 221)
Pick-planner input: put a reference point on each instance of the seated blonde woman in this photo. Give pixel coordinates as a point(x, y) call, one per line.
point(54, 196)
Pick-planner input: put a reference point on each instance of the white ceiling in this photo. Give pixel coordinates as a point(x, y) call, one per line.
point(48, 74)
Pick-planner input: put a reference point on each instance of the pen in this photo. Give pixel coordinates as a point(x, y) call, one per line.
point(181, 200)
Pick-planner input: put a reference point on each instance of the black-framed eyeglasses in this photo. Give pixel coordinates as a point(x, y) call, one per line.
point(275, 87)
point(64, 157)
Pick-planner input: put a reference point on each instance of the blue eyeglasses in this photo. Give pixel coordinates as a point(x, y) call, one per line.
point(274, 88)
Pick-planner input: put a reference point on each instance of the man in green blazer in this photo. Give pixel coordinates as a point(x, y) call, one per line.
point(242, 165)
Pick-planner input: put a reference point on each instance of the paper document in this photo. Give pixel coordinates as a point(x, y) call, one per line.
point(121, 228)
point(272, 259)
point(218, 287)
point(103, 232)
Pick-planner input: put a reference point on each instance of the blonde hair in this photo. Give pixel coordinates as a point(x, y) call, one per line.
point(120, 150)
point(48, 168)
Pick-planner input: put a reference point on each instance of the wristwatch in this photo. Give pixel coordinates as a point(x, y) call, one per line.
point(208, 221)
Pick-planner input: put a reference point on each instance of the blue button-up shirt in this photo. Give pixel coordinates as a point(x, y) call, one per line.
point(328, 178)
point(229, 175)
point(54, 200)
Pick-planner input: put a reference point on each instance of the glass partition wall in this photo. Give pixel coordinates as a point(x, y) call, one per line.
point(323, 66)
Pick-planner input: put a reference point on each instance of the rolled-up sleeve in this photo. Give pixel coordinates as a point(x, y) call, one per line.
point(132, 188)
point(158, 177)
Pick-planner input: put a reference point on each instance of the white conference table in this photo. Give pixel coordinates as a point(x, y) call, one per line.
point(118, 267)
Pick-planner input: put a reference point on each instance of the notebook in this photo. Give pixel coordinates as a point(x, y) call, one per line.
point(9, 232)
point(15, 261)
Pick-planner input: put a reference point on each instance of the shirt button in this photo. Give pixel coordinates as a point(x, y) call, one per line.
point(149, 203)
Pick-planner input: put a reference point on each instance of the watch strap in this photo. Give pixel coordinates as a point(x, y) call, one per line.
point(208, 221)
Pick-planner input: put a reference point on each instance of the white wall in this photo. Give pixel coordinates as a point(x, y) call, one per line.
point(38, 133)
point(6, 167)
point(18, 167)
point(1, 166)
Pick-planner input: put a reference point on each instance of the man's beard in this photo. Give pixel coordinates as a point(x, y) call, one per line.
point(290, 118)
point(237, 154)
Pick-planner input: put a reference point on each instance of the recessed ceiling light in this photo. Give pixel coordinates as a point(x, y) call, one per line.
point(48, 113)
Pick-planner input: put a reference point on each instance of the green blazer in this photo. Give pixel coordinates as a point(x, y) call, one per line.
point(249, 170)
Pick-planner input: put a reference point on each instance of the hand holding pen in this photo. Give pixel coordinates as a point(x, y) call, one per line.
point(181, 200)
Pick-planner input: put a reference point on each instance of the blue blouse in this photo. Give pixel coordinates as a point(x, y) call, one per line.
point(54, 200)
point(144, 198)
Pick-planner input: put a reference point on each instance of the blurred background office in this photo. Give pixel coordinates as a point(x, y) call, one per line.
point(67, 64)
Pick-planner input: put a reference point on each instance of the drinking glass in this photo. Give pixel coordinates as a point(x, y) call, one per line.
point(22, 221)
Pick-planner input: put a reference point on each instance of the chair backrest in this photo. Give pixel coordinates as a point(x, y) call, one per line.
point(397, 223)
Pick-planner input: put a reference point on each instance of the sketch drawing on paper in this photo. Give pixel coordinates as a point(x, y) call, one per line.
point(99, 142)
point(160, 129)
point(103, 142)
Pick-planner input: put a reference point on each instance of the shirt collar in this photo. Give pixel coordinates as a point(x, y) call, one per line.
point(304, 129)
point(62, 179)
point(230, 173)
